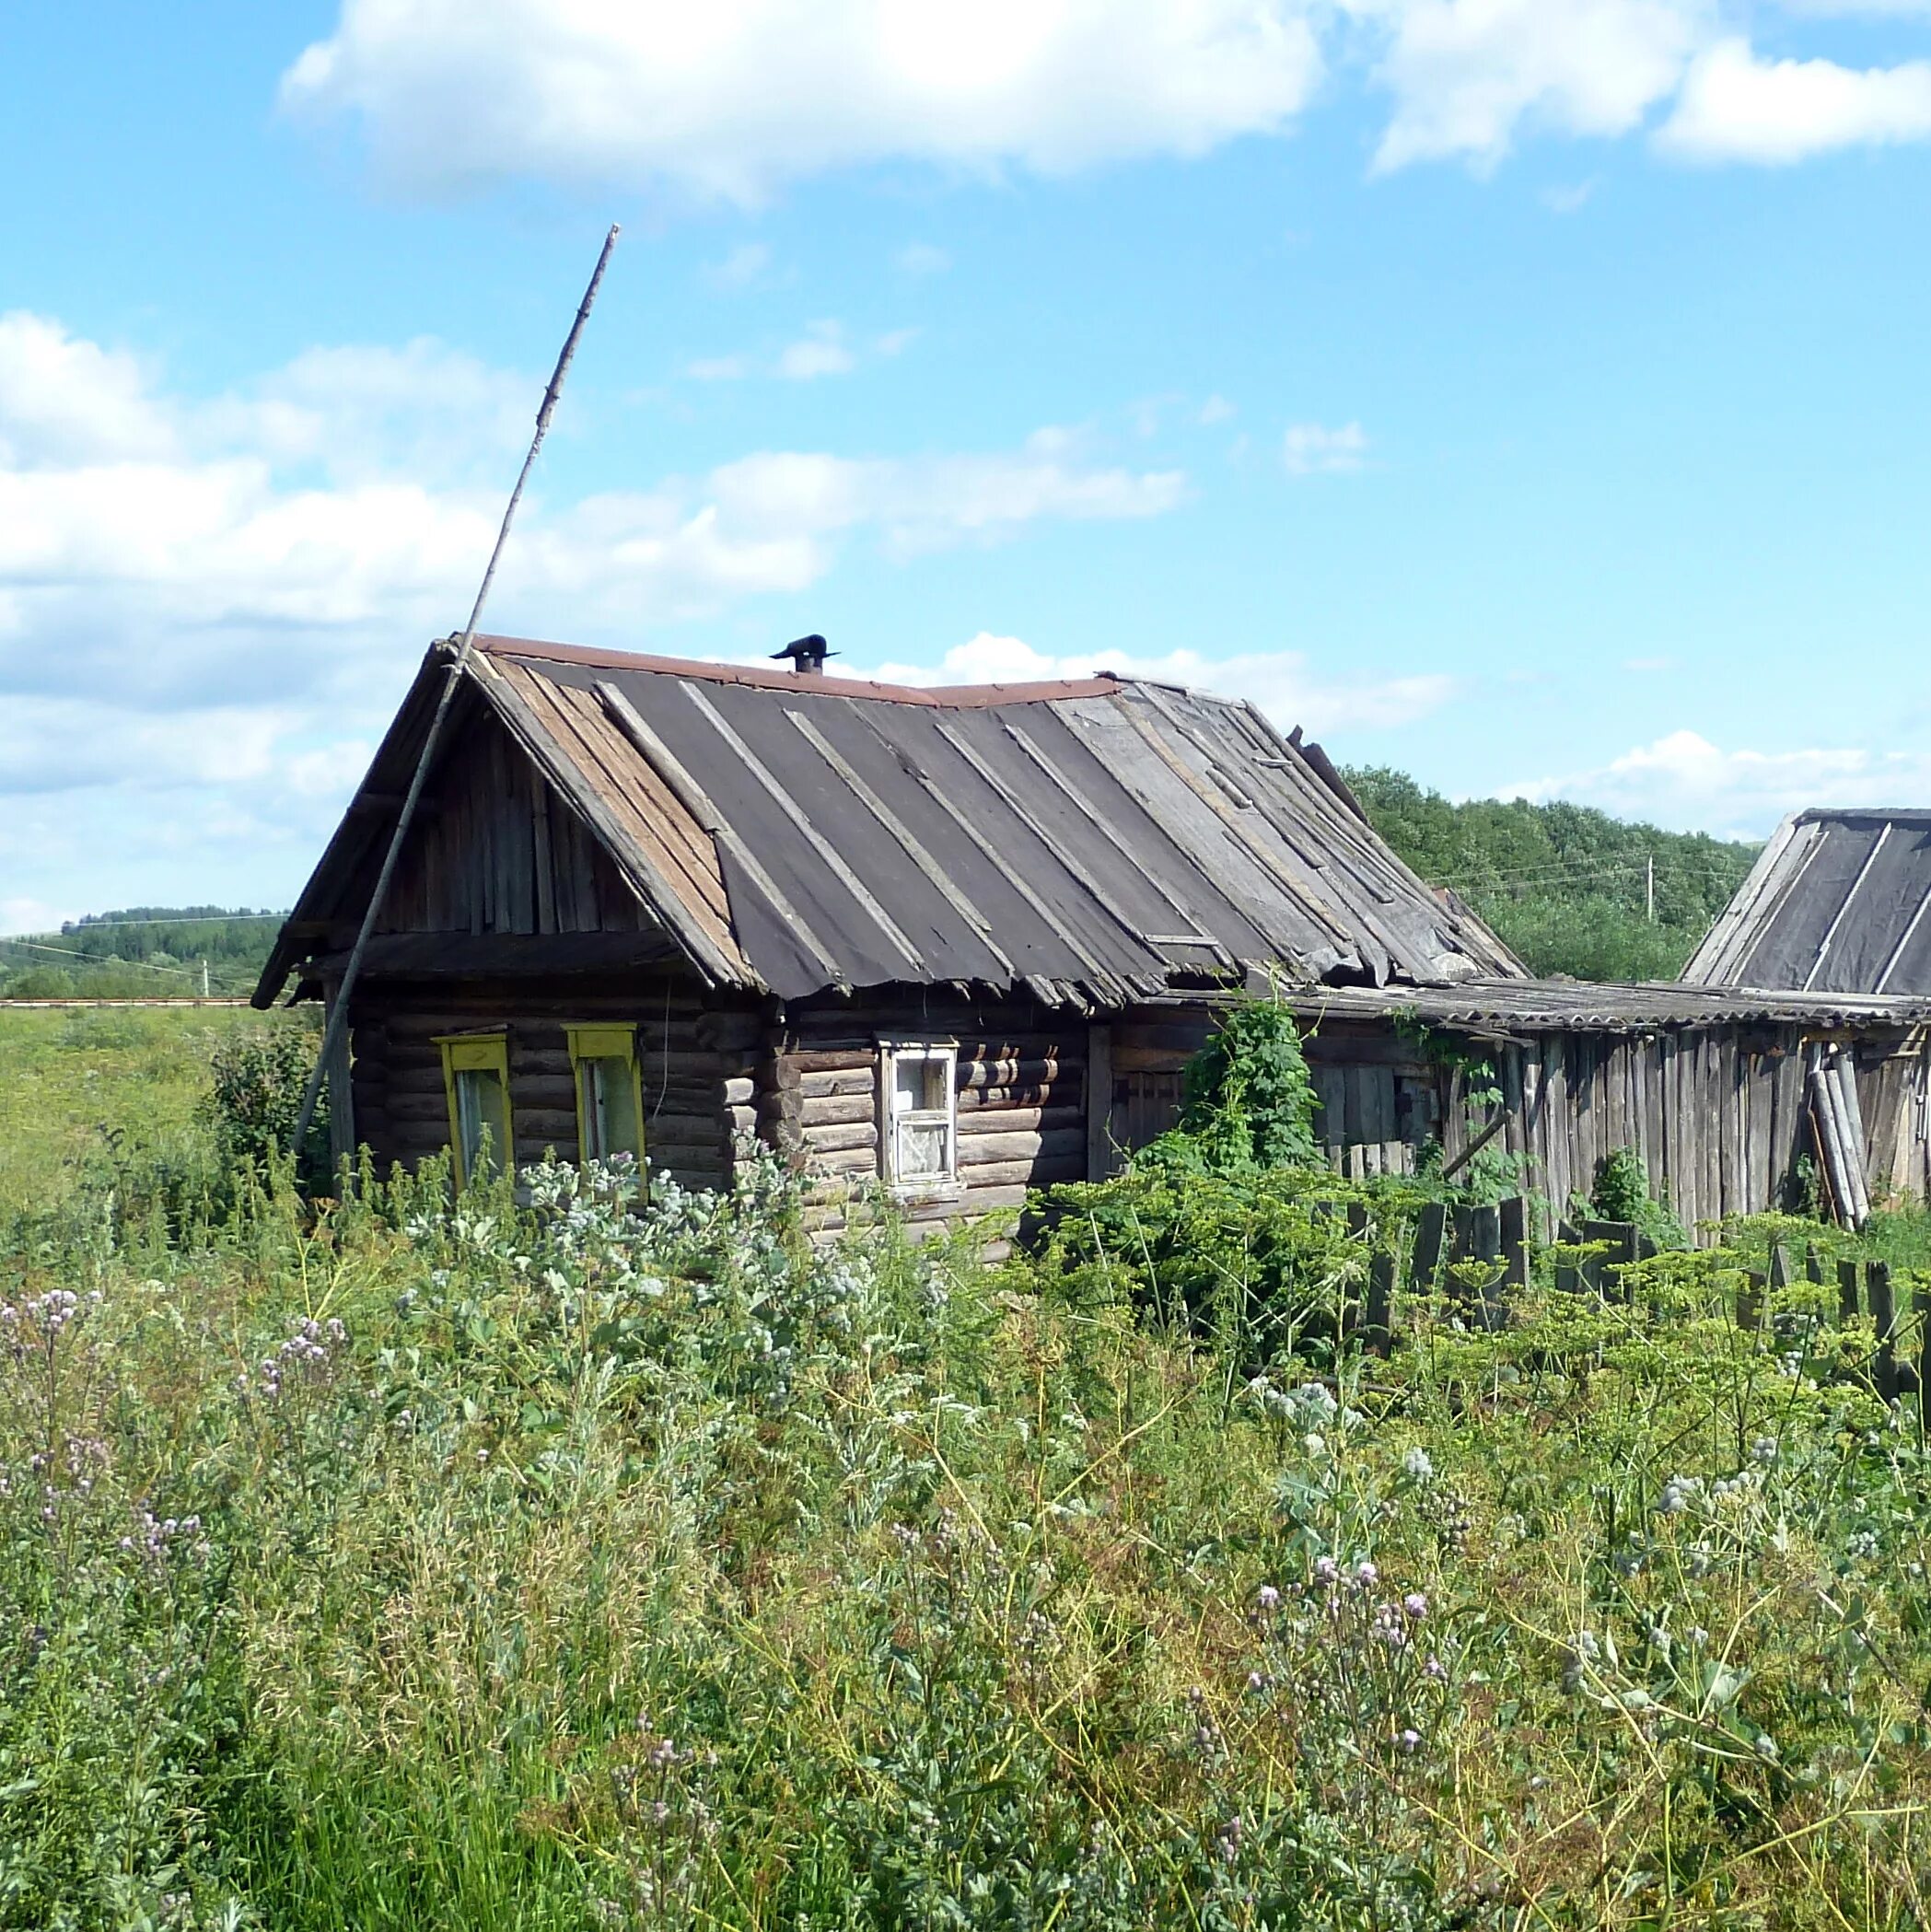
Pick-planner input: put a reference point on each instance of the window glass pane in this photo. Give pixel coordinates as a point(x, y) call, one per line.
point(609, 1111)
point(919, 1083)
point(481, 1104)
point(922, 1148)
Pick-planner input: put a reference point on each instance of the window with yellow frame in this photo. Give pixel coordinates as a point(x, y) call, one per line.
point(476, 1081)
point(610, 1092)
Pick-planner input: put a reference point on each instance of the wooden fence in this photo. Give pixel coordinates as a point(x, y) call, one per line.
point(1498, 1239)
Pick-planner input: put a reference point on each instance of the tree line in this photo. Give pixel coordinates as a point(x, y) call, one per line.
point(1569, 889)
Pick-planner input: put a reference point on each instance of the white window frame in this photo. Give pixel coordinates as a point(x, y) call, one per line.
point(892, 1053)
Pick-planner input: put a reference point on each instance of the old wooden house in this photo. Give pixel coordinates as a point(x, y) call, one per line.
point(962, 942)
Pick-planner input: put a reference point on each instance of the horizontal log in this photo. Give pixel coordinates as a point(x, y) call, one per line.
point(838, 1081)
point(834, 1110)
point(810, 1060)
point(990, 1121)
point(739, 1090)
point(1005, 1069)
point(846, 1162)
point(983, 1149)
point(840, 1137)
point(741, 1120)
point(1023, 1174)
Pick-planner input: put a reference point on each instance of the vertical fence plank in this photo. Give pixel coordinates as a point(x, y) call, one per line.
point(1380, 1326)
point(1884, 1314)
point(1514, 1214)
point(1846, 1292)
point(1431, 1226)
point(1568, 1277)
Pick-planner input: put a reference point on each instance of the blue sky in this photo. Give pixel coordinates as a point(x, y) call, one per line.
point(1529, 393)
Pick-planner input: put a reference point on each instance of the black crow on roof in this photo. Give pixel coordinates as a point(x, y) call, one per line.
point(806, 654)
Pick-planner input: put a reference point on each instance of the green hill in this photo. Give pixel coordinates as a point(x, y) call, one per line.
point(141, 952)
point(1565, 886)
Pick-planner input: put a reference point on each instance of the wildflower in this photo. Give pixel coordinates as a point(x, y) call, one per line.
point(1326, 1570)
point(1267, 1597)
point(1415, 1604)
point(1418, 1465)
point(1367, 1575)
point(1410, 1741)
point(1227, 1840)
point(1434, 1670)
point(1764, 1451)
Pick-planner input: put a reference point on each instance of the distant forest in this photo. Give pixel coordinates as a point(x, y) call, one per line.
point(1563, 885)
point(141, 952)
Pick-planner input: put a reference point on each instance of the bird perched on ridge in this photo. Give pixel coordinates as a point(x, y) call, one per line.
point(806, 654)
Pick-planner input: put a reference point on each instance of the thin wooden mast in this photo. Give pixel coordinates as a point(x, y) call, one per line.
point(339, 1006)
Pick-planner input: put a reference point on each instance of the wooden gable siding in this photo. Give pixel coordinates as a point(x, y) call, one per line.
point(696, 1063)
point(495, 850)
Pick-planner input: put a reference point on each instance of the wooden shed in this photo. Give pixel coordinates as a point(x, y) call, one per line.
point(960, 941)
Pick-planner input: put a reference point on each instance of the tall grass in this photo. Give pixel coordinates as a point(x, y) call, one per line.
point(402, 1564)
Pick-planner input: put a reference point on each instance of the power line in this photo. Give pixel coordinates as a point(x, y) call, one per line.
point(88, 925)
point(94, 959)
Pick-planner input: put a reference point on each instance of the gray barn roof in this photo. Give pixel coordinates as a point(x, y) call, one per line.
point(1836, 903)
point(1096, 841)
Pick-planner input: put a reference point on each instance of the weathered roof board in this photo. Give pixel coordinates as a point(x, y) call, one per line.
point(1838, 901)
point(1097, 841)
point(1512, 1006)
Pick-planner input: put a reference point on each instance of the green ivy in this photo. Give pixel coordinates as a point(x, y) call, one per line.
point(1248, 1102)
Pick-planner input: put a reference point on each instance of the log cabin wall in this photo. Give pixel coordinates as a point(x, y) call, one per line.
point(697, 1060)
point(1020, 1093)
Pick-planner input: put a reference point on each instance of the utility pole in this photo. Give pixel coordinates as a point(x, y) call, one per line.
point(205, 979)
point(1649, 888)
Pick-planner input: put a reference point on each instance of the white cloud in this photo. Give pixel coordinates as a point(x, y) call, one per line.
point(746, 266)
point(1215, 409)
point(821, 351)
point(1684, 780)
point(1310, 449)
point(729, 101)
point(1569, 198)
point(218, 600)
point(920, 258)
point(1466, 74)
point(718, 368)
point(33, 915)
point(1736, 106)
point(1278, 682)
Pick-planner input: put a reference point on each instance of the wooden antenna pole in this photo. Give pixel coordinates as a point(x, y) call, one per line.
point(339, 1006)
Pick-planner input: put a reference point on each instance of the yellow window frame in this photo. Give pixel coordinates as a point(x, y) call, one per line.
point(484, 1053)
point(602, 1040)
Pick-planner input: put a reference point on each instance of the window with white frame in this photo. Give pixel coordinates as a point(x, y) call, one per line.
point(919, 1112)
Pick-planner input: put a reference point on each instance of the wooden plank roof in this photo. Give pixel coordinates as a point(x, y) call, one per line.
point(1838, 901)
point(1097, 841)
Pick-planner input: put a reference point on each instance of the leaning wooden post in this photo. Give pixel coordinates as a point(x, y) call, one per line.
point(1884, 1317)
point(1485, 1246)
point(1848, 1292)
point(338, 1016)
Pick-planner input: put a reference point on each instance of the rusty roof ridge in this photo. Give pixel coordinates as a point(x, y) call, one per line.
point(937, 696)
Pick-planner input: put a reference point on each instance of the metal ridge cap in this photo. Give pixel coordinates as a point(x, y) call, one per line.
point(756, 678)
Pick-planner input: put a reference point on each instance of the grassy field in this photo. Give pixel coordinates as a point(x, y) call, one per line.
point(558, 1567)
point(75, 1082)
